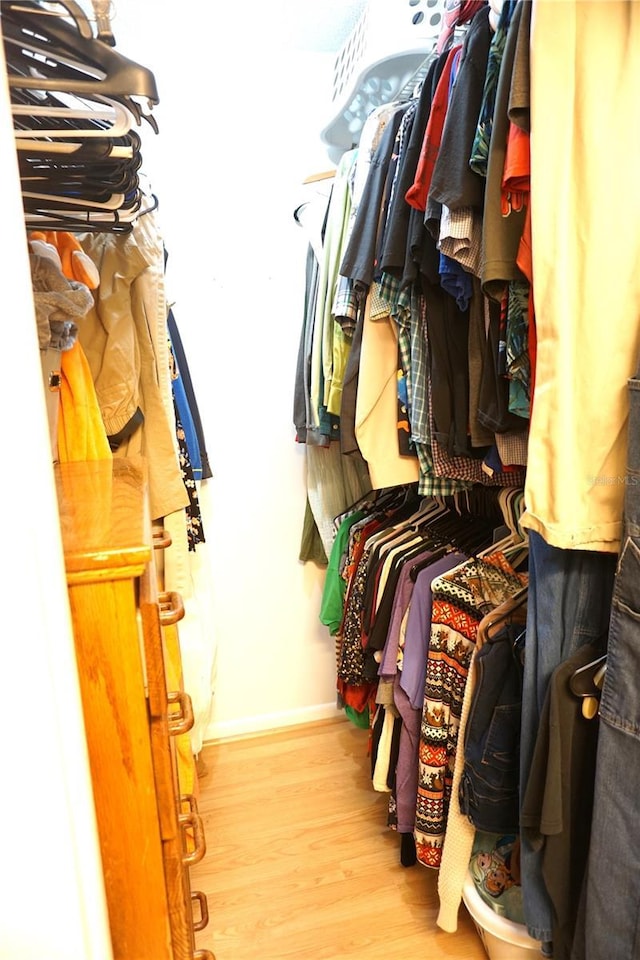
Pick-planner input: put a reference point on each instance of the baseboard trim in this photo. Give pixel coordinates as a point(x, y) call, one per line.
point(270, 722)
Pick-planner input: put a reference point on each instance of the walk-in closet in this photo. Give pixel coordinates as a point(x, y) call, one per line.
point(322, 371)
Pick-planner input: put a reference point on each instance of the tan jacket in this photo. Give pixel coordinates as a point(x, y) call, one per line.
point(124, 337)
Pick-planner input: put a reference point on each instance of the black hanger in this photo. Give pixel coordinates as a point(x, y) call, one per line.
point(46, 53)
point(400, 501)
point(438, 554)
point(79, 171)
point(371, 501)
point(82, 63)
point(77, 221)
point(76, 13)
point(452, 531)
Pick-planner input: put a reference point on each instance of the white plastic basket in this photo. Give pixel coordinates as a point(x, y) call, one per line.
point(384, 54)
point(502, 938)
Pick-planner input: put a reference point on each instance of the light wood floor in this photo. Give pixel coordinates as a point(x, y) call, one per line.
point(300, 864)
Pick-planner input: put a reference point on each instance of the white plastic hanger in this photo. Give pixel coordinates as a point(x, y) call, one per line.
point(120, 152)
point(115, 202)
point(119, 117)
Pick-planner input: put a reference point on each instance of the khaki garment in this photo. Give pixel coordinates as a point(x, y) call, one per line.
point(119, 336)
point(376, 423)
point(585, 144)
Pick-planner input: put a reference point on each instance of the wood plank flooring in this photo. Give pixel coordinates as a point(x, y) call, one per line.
point(300, 864)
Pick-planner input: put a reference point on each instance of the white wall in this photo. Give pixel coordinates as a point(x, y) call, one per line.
point(51, 888)
point(238, 262)
point(240, 114)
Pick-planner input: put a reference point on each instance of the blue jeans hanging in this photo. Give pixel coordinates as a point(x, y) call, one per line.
point(612, 925)
point(568, 605)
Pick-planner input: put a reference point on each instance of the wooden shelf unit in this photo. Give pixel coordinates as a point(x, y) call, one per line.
point(150, 833)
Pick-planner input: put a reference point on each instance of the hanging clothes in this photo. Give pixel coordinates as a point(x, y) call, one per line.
point(188, 402)
point(404, 661)
point(377, 407)
point(607, 893)
point(578, 442)
point(557, 805)
point(61, 274)
point(81, 433)
point(460, 600)
point(120, 346)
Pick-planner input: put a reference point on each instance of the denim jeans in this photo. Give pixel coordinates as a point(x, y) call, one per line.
point(612, 925)
point(489, 785)
point(569, 604)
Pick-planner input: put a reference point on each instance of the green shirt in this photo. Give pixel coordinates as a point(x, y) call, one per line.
point(332, 605)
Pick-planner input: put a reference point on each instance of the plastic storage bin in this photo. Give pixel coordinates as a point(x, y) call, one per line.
point(502, 939)
point(387, 51)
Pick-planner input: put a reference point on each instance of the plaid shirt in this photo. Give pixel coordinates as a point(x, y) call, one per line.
point(407, 306)
point(512, 446)
point(467, 469)
point(461, 237)
point(345, 306)
point(399, 306)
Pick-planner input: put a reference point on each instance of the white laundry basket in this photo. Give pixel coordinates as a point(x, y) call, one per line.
point(387, 50)
point(502, 939)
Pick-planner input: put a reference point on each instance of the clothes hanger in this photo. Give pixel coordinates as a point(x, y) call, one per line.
point(104, 115)
point(511, 610)
point(498, 546)
point(111, 118)
point(96, 164)
point(75, 150)
point(67, 192)
point(428, 510)
point(46, 52)
point(114, 202)
point(453, 531)
point(513, 509)
point(62, 85)
point(72, 8)
point(517, 554)
point(45, 155)
point(73, 226)
point(83, 221)
point(403, 498)
point(75, 102)
point(456, 533)
point(67, 197)
point(102, 13)
point(399, 532)
point(82, 177)
point(374, 500)
point(586, 683)
point(472, 532)
point(27, 24)
point(438, 553)
point(467, 525)
point(120, 226)
point(513, 547)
